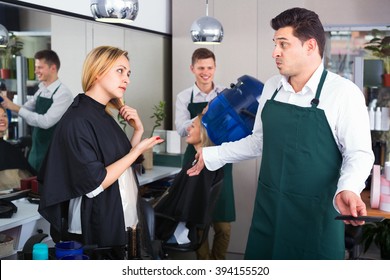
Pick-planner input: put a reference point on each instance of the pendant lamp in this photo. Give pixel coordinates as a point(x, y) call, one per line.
point(114, 11)
point(206, 30)
point(4, 37)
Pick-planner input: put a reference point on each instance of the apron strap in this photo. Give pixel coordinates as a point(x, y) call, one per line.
point(52, 93)
point(276, 91)
point(316, 100)
point(55, 91)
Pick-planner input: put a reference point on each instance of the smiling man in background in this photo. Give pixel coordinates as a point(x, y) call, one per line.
point(47, 106)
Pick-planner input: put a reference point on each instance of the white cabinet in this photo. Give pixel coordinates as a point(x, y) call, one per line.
point(25, 223)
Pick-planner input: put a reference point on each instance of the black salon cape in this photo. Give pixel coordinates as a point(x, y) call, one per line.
point(86, 140)
point(12, 158)
point(187, 200)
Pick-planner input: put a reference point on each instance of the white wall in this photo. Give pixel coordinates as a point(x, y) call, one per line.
point(153, 14)
point(73, 38)
point(246, 49)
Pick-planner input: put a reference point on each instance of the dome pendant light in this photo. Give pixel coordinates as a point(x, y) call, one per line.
point(114, 11)
point(206, 30)
point(4, 37)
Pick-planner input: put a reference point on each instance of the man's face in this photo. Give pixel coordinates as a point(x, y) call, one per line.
point(289, 52)
point(43, 71)
point(204, 70)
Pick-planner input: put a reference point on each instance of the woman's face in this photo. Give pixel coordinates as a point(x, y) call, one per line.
point(115, 82)
point(3, 120)
point(193, 133)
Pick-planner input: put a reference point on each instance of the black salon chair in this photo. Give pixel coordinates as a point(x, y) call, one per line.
point(24, 144)
point(353, 241)
point(198, 233)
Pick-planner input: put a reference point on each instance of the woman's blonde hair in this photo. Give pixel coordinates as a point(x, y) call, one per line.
point(204, 137)
point(97, 63)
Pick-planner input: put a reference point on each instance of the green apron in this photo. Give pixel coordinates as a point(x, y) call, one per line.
point(41, 138)
point(225, 207)
point(293, 213)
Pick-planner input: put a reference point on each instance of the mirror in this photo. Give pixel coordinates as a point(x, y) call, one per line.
point(345, 44)
point(72, 37)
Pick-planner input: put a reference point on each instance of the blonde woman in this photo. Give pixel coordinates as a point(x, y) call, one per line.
point(13, 165)
point(87, 176)
point(188, 198)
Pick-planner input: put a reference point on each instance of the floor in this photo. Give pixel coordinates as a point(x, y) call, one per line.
point(192, 256)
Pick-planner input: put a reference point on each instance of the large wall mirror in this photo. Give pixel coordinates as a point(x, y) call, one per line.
point(345, 49)
point(73, 36)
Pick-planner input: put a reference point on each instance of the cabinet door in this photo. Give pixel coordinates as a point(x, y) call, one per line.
point(69, 41)
point(104, 34)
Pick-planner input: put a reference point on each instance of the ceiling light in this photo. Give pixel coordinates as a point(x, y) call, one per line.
point(206, 30)
point(114, 11)
point(4, 37)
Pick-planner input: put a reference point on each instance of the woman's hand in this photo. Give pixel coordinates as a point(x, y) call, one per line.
point(147, 144)
point(131, 116)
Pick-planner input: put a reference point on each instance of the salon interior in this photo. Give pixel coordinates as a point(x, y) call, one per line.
point(160, 45)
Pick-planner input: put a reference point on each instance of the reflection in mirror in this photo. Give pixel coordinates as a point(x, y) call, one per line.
point(150, 52)
point(345, 44)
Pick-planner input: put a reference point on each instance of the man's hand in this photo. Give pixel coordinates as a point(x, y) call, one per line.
point(349, 203)
point(8, 104)
point(199, 164)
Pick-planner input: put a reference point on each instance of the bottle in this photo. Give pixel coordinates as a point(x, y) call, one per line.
point(378, 119)
point(371, 115)
point(385, 120)
point(40, 251)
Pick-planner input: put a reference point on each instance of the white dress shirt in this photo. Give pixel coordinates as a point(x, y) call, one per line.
point(61, 101)
point(183, 116)
point(345, 110)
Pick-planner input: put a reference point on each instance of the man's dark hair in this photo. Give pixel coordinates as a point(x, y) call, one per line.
point(306, 25)
point(202, 53)
point(50, 57)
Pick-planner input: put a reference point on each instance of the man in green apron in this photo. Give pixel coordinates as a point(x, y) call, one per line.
point(46, 107)
point(189, 104)
point(313, 133)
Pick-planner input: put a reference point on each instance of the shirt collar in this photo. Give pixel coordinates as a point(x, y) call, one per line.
point(310, 86)
point(52, 87)
point(197, 91)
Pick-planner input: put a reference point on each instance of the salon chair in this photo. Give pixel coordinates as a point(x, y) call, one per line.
point(353, 239)
point(198, 233)
point(24, 144)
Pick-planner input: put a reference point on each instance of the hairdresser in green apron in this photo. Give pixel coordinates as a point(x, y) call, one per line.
point(43, 110)
point(305, 185)
point(189, 104)
point(313, 134)
point(42, 137)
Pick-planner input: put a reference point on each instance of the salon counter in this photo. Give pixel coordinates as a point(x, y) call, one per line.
point(365, 195)
point(27, 221)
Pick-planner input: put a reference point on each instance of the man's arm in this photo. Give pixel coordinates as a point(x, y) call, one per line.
point(61, 102)
point(182, 116)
